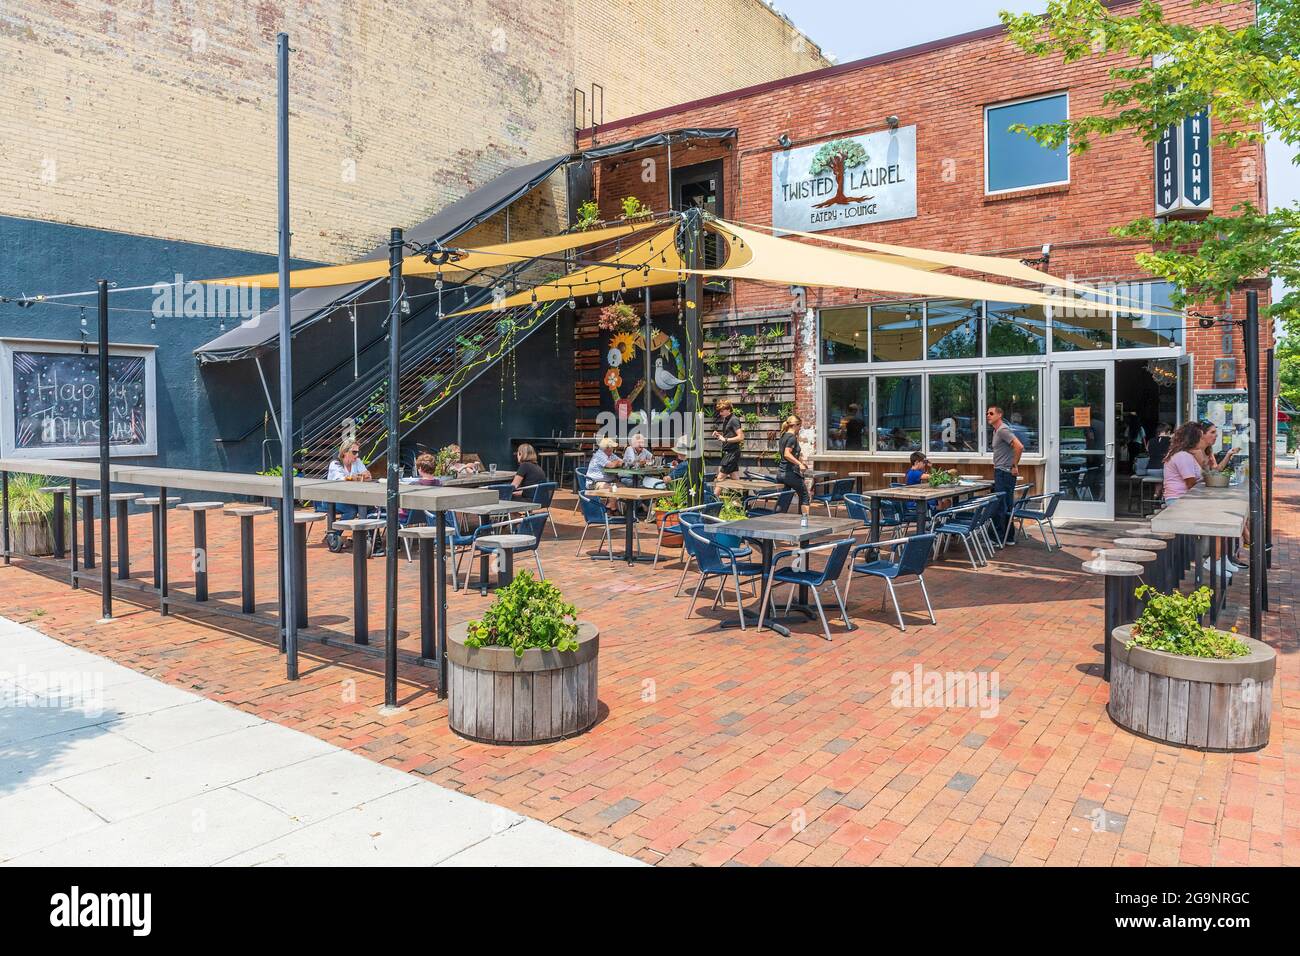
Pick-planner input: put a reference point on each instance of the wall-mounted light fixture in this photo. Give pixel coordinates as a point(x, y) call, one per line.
point(784, 141)
point(892, 121)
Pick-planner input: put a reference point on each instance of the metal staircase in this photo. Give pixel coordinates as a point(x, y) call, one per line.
point(437, 363)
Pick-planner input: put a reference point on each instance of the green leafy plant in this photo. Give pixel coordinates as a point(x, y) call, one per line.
point(1169, 623)
point(768, 374)
point(527, 613)
point(751, 421)
point(748, 342)
point(26, 497)
point(732, 508)
point(588, 215)
point(681, 496)
point(939, 478)
point(618, 317)
point(775, 333)
point(633, 208)
point(444, 457)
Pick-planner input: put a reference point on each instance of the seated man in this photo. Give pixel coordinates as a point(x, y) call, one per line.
point(636, 456)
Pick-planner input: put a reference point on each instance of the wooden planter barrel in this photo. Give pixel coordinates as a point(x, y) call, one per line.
point(498, 698)
point(31, 534)
point(1197, 702)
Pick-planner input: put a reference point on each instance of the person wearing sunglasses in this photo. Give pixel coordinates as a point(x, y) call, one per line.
point(348, 467)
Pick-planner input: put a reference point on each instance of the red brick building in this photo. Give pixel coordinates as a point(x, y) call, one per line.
point(879, 378)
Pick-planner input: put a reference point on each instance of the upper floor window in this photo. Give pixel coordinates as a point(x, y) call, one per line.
point(1015, 160)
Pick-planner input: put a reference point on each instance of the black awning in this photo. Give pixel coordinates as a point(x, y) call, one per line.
point(309, 305)
point(657, 139)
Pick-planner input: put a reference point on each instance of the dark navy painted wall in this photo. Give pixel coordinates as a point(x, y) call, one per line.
point(195, 407)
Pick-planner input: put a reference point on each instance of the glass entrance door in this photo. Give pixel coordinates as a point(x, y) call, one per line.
point(1081, 441)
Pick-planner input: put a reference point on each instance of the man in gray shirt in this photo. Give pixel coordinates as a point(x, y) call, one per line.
point(1007, 449)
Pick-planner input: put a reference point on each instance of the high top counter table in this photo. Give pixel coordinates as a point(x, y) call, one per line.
point(1215, 513)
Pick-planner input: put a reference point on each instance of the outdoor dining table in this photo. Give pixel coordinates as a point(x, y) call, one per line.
point(480, 479)
point(769, 530)
point(922, 495)
point(644, 471)
point(630, 497)
point(745, 485)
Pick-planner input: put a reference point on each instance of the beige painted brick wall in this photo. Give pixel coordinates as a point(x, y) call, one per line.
point(158, 118)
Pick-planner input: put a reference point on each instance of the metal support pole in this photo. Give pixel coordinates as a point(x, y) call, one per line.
point(4, 478)
point(360, 588)
point(200, 555)
point(123, 541)
point(288, 551)
point(692, 236)
point(161, 582)
point(428, 648)
point(394, 463)
point(1270, 443)
point(440, 599)
point(1257, 529)
point(647, 392)
point(106, 569)
point(248, 576)
point(73, 500)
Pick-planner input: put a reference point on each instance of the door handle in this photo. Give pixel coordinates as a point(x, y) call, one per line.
point(1110, 451)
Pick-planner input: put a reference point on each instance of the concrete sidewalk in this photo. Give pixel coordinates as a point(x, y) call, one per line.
point(103, 766)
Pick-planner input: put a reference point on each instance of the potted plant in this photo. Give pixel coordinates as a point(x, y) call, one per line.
point(1219, 477)
point(732, 509)
point(681, 498)
point(525, 672)
point(939, 478)
point(618, 317)
point(30, 514)
point(1177, 681)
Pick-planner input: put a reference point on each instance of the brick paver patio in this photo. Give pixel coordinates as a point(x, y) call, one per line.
point(730, 747)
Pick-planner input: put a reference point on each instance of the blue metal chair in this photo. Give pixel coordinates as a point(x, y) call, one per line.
point(859, 509)
point(533, 524)
point(596, 515)
point(1026, 508)
point(505, 492)
point(579, 484)
point(698, 519)
point(769, 503)
point(835, 494)
point(715, 558)
point(461, 544)
point(968, 522)
point(542, 493)
point(813, 580)
point(674, 532)
point(911, 564)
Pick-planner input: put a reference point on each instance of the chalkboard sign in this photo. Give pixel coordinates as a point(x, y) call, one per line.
point(51, 400)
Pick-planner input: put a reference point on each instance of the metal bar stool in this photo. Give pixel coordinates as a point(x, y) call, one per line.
point(1119, 577)
point(549, 460)
point(200, 551)
point(59, 492)
point(247, 579)
point(426, 537)
point(152, 504)
point(302, 522)
point(363, 532)
point(88, 496)
point(120, 499)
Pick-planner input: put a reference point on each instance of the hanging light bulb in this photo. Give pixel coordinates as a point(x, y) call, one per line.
point(83, 317)
point(437, 282)
point(600, 297)
point(572, 304)
point(153, 324)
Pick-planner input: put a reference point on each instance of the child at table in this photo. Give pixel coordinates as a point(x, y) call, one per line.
point(918, 469)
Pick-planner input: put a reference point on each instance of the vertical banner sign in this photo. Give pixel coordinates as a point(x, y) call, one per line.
point(853, 181)
point(1183, 168)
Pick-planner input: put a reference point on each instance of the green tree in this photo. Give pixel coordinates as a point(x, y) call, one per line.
point(1249, 79)
point(838, 156)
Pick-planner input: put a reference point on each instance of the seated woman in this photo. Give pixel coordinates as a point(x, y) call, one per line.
point(529, 473)
point(346, 467)
point(459, 465)
point(426, 473)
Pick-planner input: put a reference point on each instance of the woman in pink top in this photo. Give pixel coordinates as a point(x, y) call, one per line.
point(1182, 469)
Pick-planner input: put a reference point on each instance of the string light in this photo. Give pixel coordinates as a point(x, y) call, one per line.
point(83, 317)
point(153, 324)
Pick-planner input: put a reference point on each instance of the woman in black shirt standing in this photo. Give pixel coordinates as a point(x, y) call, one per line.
point(732, 437)
point(790, 473)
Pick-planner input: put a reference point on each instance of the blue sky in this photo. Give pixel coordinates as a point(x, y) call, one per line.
point(850, 30)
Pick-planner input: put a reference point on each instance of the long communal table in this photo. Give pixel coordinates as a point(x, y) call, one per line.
point(1218, 514)
point(437, 500)
point(921, 495)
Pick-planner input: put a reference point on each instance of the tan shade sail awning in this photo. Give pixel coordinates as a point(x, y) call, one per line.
point(484, 257)
point(785, 262)
point(653, 261)
point(990, 265)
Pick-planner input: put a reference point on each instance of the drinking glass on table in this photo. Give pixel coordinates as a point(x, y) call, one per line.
point(492, 468)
